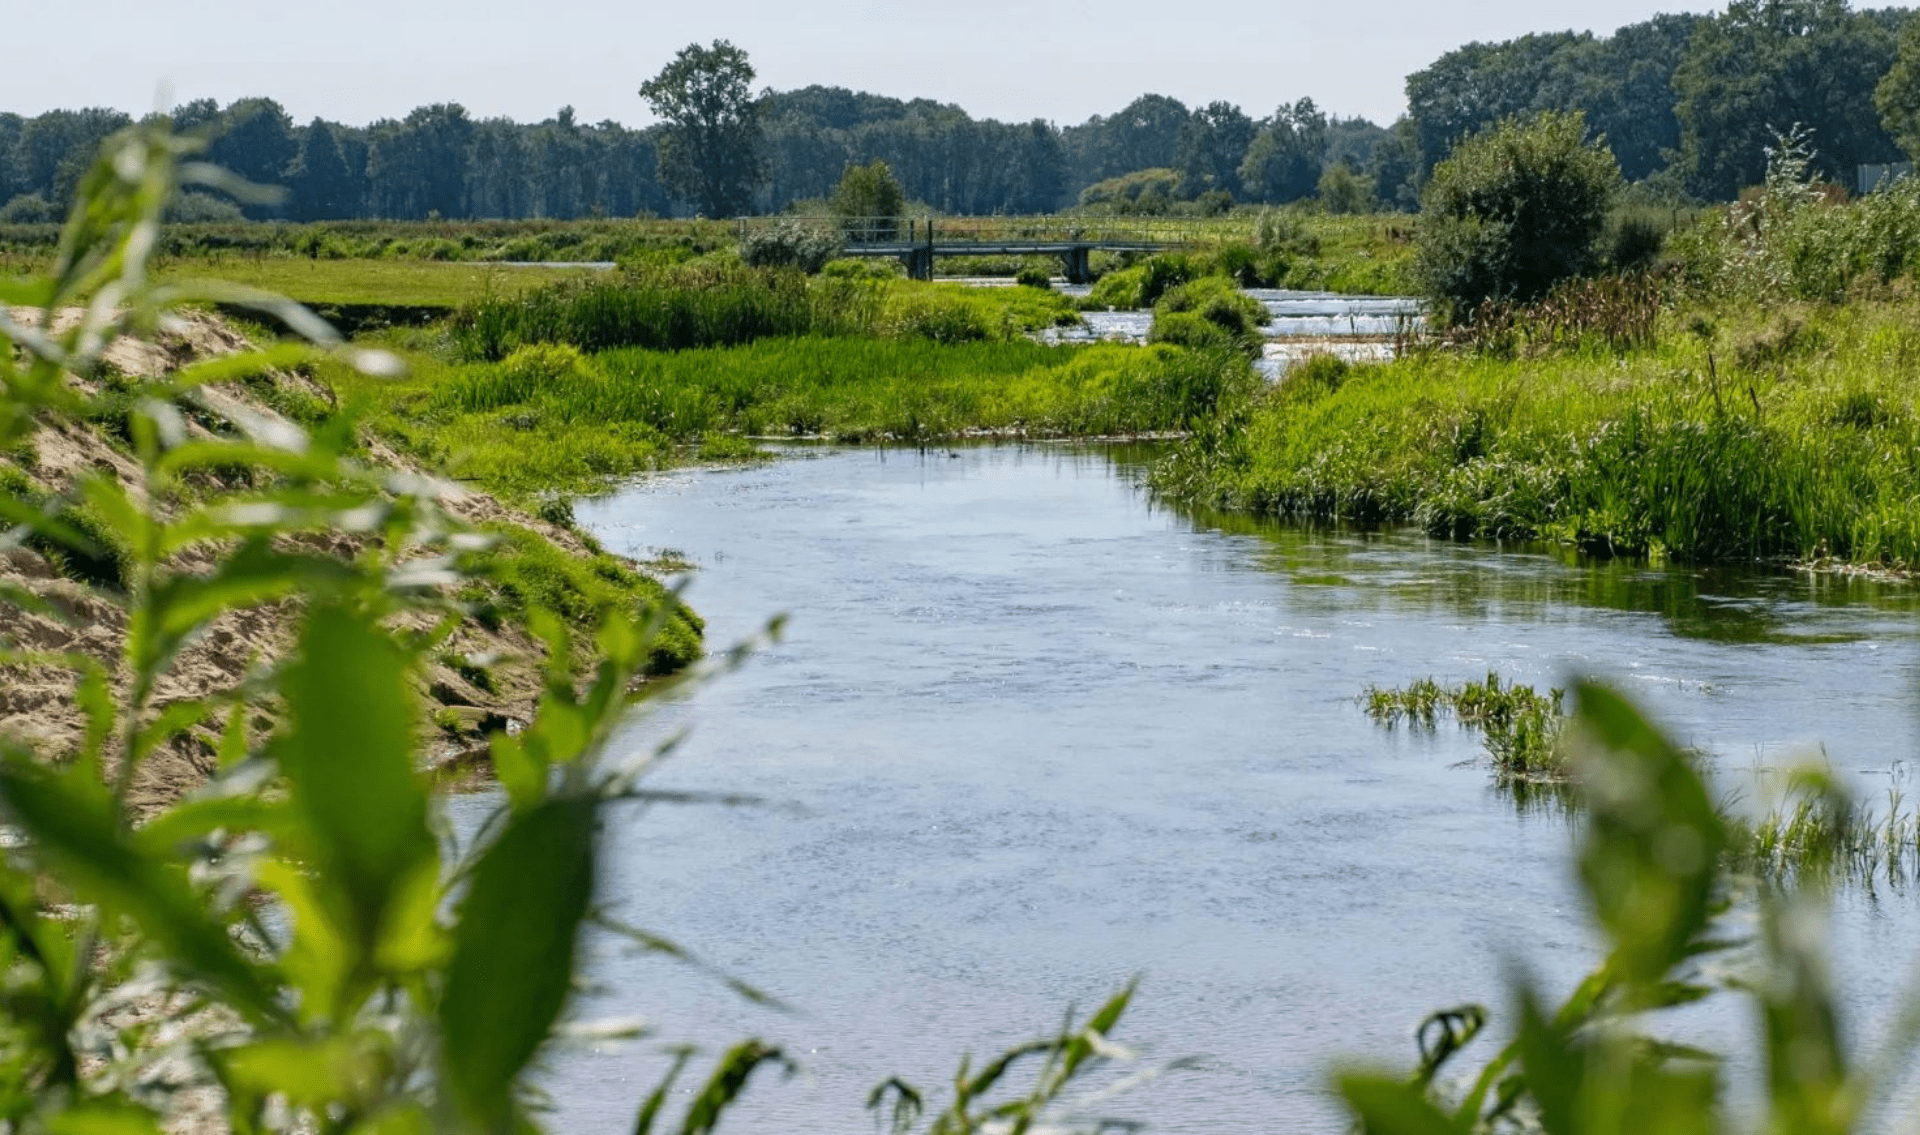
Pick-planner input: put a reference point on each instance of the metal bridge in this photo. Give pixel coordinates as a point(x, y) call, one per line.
point(917, 241)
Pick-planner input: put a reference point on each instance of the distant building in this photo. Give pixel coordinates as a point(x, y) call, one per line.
point(1879, 177)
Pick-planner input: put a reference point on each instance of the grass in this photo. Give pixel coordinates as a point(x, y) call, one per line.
point(527, 572)
point(471, 241)
point(1811, 833)
point(549, 417)
point(1783, 433)
point(1520, 727)
point(404, 283)
point(723, 304)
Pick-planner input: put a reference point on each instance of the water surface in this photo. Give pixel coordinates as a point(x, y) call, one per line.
point(1029, 735)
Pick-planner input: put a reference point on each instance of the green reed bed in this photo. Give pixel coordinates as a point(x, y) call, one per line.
point(1812, 830)
point(722, 304)
point(1778, 436)
point(550, 418)
point(1520, 727)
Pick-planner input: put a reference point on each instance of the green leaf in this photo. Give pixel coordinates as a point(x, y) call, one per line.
point(75, 829)
point(308, 1073)
point(1555, 1070)
point(650, 1110)
point(727, 1082)
point(170, 722)
point(1653, 841)
point(513, 953)
point(347, 756)
point(1386, 1106)
point(104, 1119)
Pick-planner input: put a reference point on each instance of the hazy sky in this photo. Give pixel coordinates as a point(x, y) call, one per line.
point(358, 60)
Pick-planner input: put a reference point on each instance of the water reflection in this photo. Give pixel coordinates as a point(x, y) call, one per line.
point(1730, 605)
point(1041, 734)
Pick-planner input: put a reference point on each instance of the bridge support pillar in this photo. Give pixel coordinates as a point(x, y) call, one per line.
point(1077, 258)
point(918, 262)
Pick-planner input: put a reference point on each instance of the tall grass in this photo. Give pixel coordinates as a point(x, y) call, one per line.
point(1520, 727)
point(1788, 434)
point(854, 388)
point(719, 308)
point(550, 418)
point(723, 304)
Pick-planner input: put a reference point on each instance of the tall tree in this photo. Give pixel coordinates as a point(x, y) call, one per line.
point(418, 167)
point(55, 149)
point(11, 183)
point(1213, 143)
point(712, 148)
point(1897, 98)
point(1768, 64)
point(1145, 134)
point(255, 139)
point(1284, 160)
point(319, 182)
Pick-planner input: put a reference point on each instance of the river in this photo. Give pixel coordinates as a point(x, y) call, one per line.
point(1029, 733)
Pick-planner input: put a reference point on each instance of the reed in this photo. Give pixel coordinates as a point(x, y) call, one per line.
point(725, 304)
point(1520, 727)
point(551, 418)
point(1785, 434)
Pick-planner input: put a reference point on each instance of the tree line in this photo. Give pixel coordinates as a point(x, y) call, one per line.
point(1686, 103)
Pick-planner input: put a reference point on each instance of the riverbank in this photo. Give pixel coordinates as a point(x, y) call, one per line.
point(485, 674)
point(1784, 433)
point(568, 388)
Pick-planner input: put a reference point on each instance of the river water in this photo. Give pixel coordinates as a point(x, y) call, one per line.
point(1030, 733)
point(1358, 328)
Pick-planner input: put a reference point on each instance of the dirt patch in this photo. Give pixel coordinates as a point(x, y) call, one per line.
point(482, 680)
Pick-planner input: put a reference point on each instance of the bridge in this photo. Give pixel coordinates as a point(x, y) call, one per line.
point(917, 241)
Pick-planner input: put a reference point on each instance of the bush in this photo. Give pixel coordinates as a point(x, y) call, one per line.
point(203, 208)
point(1209, 312)
point(1033, 276)
point(791, 244)
point(1513, 211)
point(28, 209)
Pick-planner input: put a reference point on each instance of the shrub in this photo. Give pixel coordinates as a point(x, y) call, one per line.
point(791, 243)
point(1209, 312)
point(1119, 290)
point(1513, 211)
point(1033, 276)
point(203, 208)
point(28, 209)
point(1634, 242)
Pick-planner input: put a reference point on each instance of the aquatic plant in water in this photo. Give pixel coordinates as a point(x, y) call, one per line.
point(1520, 727)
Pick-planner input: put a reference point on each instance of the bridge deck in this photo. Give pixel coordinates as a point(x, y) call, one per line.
point(944, 247)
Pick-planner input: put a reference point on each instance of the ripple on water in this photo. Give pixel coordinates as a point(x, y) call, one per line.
point(1038, 737)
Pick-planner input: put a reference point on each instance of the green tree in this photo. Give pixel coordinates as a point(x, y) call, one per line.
point(1767, 64)
point(1145, 134)
point(1343, 191)
point(869, 201)
point(322, 186)
point(1897, 98)
point(712, 148)
point(1213, 143)
point(255, 139)
point(1513, 211)
point(418, 166)
point(1283, 161)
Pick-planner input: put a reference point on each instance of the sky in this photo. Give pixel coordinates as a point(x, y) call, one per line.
point(356, 61)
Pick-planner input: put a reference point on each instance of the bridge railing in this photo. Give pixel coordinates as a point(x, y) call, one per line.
point(1037, 229)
